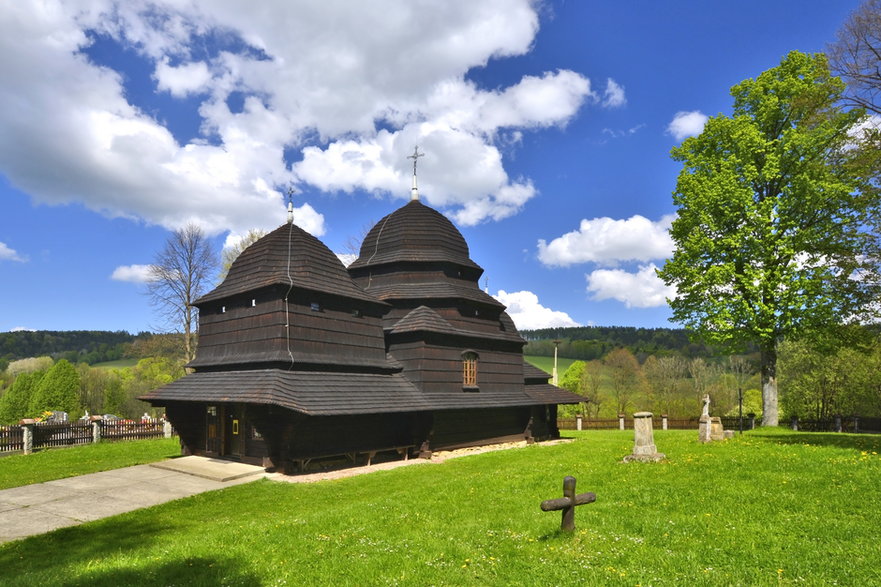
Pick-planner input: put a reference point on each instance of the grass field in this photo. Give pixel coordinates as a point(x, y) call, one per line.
point(58, 463)
point(771, 507)
point(547, 363)
point(120, 364)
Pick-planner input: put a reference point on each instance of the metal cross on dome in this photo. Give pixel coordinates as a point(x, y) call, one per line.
point(415, 156)
point(414, 190)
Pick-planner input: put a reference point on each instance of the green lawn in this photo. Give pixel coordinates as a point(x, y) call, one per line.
point(58, 463)
point(771, 507)
point(118, 364)
point(547, 363)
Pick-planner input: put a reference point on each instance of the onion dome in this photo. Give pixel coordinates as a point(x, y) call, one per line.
point(287, 256)
point(414, 233)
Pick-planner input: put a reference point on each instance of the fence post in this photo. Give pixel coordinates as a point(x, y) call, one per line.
point(663, 421)
point(578, 422)
point(856, 424)
point(793, 423)
point(166, 428)
point(620, 421)
point(27, 428)
point(837, 422)
point(97, 423)
point(752, 421)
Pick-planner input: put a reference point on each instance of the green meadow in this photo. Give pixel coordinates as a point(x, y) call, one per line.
point(771, 507)
point(547, 363)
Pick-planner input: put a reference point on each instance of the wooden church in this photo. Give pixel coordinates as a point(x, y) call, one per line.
point(300, 358)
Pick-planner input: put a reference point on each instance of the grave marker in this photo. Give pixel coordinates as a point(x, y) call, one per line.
point(567, 503)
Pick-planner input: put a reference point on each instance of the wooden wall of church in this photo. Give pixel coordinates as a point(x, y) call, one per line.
point(324, 329)
point(338, 434)
point(460, 428)
point(188, 420)
point(436, 366)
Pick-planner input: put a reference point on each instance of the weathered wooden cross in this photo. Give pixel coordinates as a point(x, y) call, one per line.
point(567, 503)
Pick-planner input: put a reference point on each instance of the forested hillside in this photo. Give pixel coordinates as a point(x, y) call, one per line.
point(594, 342)
point(77, 346)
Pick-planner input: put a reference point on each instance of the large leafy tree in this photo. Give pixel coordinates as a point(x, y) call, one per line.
point(772, 205)
point(182, 272)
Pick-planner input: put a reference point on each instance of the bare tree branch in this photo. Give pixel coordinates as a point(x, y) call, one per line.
point(181, 273)
point(856, 56)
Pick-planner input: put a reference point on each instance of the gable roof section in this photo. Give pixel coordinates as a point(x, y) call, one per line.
point(425, 319)
point(288, 254)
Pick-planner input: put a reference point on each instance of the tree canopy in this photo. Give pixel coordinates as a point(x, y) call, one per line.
point(57, 390)
point(772, 203)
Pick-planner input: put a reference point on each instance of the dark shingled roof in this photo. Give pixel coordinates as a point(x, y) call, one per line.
point(537, 387)
point(266, 263)
point(437, 290)
point(424, 319)
point(533, 373)
point(321, 393)
point(545, 393)
point(315, 393)
point(413, 232)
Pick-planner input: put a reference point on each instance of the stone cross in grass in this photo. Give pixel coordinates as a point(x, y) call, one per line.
point(567, 503)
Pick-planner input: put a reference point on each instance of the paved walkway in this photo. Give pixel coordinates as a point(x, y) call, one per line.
point(34, 509)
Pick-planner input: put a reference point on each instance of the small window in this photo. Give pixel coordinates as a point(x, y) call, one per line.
point(469, 369)
point(316, 307)
point(253, 303)
point(223, 309)
point(357, 313)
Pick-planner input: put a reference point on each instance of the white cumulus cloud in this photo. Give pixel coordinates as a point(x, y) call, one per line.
point(613, 97)
point(687, 124)
point(643, 289)
point(182, 80)
point(132, 273)
point(608, 241)
point(345, 89)
point(528, 314)
point(8, 254)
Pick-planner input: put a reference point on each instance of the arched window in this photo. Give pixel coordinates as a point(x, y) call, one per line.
point(469, 369)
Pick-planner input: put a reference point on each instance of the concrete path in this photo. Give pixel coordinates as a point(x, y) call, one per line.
point(34, 509)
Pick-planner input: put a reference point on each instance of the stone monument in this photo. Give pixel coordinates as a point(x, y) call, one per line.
point(644, 449)
point(705, 426)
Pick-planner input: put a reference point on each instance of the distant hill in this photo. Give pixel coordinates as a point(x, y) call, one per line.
point(89, 346)
point(594, 342)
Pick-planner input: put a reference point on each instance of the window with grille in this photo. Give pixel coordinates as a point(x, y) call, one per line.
point(469, 369)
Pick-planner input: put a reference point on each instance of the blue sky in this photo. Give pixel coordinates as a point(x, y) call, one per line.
point(546, 129)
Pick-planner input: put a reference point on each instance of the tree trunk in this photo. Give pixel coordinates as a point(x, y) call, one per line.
point(769, 385)
point(188, 338)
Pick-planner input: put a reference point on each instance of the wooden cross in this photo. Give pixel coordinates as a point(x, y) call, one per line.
point(567, 503)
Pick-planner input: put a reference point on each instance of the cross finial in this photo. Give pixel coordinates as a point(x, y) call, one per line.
point(414, 190)
point(290, 205)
